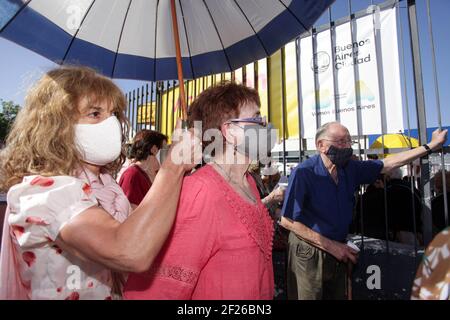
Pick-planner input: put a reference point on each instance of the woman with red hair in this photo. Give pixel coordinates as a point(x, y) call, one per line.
point(221, 244)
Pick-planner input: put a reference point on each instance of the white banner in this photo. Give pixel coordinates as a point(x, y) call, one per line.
point(323, 103)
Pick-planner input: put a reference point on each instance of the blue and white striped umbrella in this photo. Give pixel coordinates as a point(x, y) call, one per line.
point(133, 39)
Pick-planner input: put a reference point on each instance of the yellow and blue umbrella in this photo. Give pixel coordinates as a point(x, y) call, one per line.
point(394, 141)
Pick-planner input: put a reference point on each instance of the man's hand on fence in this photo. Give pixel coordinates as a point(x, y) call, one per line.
point(438, 139)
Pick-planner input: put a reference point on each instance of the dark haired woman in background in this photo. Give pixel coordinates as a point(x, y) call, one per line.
point(137, 179)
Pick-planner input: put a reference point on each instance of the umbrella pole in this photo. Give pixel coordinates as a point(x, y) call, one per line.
point(176, 38)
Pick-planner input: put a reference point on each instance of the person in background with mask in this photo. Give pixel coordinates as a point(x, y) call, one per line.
point(318, 210)
point(137, 179)
point(221, 243)
point(68, 223)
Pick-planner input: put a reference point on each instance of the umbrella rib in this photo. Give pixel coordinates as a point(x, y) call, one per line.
point(218, 35)
point(156, 35)
point(294, 15)
point(187, 40)
point(120, 38)
point(76, 32)
point(251, 26)
point(15, 15)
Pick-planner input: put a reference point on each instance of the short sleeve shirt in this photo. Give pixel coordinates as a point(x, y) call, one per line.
point(314, 199)
point(39, 208)
point(135, 183)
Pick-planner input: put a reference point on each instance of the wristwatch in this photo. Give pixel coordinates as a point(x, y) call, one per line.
point(428, 149)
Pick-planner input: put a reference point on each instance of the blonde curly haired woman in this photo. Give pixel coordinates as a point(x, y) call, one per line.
point(67, 228)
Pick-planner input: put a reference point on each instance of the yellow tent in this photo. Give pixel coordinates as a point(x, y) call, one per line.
point(392, 141)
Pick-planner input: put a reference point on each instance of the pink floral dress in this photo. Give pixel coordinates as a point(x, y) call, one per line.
point(39, 208)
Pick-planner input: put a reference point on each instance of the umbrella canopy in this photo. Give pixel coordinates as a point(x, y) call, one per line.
point(393, 141)
point(133, 39)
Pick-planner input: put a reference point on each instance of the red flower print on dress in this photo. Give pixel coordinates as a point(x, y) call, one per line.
point(87, 189)
point(18, 231)
point(73, 296)
point(36, 220)
point(59, 289)
point(29, 258)
point(42, 181)
point(90, 284)
point(58, 249)
point(108, 298)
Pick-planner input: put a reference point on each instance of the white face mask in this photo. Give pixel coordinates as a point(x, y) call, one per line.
point(161, 155)
point(158, 156)
point(99, 143)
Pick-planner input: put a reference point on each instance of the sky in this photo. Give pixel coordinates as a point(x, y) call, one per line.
point(20, 68)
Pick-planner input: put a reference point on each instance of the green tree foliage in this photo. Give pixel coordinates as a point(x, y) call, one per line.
point(8, 113)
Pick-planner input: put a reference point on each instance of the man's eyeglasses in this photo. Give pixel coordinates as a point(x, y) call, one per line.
point(342, 141)
point(256, 120)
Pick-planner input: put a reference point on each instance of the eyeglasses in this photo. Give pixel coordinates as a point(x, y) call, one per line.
point(257, 120)
point(342, 141)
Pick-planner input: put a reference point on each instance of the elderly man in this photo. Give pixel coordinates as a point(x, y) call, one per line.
point(318, 210)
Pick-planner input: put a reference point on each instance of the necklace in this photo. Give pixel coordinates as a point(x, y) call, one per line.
point(250, 196)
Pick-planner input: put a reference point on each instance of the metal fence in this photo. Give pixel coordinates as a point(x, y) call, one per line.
point(154, 106)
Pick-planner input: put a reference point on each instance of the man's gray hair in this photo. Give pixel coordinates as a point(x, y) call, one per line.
point(396, 173)
point(323, 129)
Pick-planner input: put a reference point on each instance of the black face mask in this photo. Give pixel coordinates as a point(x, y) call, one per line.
point(339, 156)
